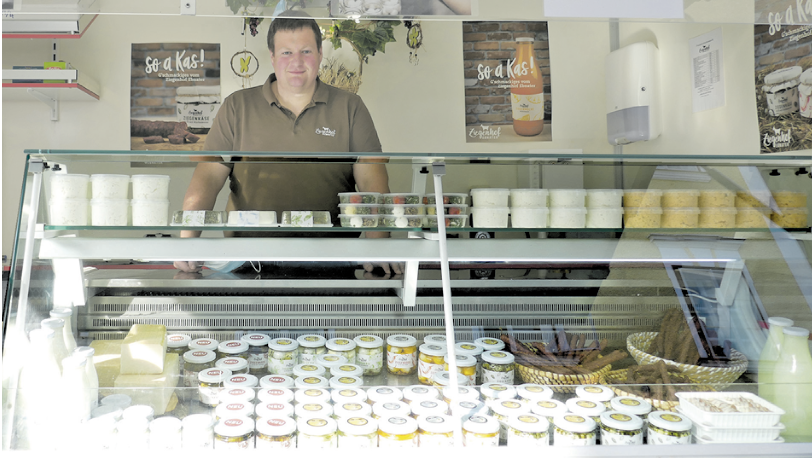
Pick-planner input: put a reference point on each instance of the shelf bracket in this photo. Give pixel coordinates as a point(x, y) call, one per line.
point(53, 104)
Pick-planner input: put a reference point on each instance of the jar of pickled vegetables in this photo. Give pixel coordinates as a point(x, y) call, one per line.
point(236, 365)
point(480, 431)
point(430, 360)
point(401, 354)
point(257, 353)
point(530, 393)
point(233, 349)
point(497, 366)
point(346, 381)
point(471, 349)
point(204, 344)
point(369, 354)
point(490, 344)
point(460, 409)
point(357, 432)
point(466, 365)
point(435, 431)
point(351, 370)
point(210, 384)
point(397, 432)
point(328, 361)
point(497, 391)
point(268, 410)
point(528, 430)
point(462, 393)
point(308, 369)
point(384, 394)
point(352, 409)
point(343, 347)
point(424, 408)
point(236, 433)
point(317, 433)
point(276, 433)
point(275, 395)
point(310, 347)
point(312, 410)
point(574, 430)
point(178, 344)
point(340, 396)
point(276, 381)
point(437, 339)
point(312, 395)
point(417, 393)
point(621, 429)
point(504, 410)
point(283, 354)
point(311, 382)
point(595, 393)
point(232, 409)
point(665, 428)
point(390, 409)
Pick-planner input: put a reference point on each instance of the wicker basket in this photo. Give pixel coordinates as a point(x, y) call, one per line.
point(721, 376)
point(558, 382)
point(618, 377)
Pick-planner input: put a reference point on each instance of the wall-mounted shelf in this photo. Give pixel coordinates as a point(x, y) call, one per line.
point(75, 89)
point(52, 29)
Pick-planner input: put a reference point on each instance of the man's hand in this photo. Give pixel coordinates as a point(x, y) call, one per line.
point(389, 268)
point(188, 266)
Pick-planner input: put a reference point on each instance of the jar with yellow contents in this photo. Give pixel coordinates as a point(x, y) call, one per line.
point(358, 431)
point(310, 347)
point(528, 430)
point(471, 349)
point(480, 431)
point(397, 432)
point(429, 361)
point(401, 354)
point(435, 431)
point(466, 365)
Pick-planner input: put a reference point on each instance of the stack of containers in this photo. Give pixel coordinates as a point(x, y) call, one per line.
point(68, 203)
point(568, 208)
point(490, 207)
point(528, 208)
point(109, 206)
point(792, 211)
point(642, 208)
point(717, 209)
point(402, 210)
point(751, 419)
point(680, 208)
point(359, 209)
point(150, 200)
point(604, 208)
point(753, 209)
point(455, 207)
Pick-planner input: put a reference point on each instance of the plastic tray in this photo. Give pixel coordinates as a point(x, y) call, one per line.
point(736, 435)
point(702, 440)
point(729, 419)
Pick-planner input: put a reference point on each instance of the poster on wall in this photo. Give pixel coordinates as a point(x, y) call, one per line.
point(508, 96)
point(174, 95)
point(783, 61)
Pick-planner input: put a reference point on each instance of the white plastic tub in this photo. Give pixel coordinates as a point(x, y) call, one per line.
point(529, 217)
point(681, 198)
point(490, 197)
point(604, 217)
point(567, 198)
point(109, 212)
point(528, 198)
point(490, 217)
point(104, 186)
point(69, 186)
point(737, 435)
point(69, 212)
point(150, 212)
point(642, 198)
point(568, 217)
point(729, 419)
point(604, 198)
point(150, 187)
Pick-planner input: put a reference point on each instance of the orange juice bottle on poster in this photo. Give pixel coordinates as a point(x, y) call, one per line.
point(526, 90)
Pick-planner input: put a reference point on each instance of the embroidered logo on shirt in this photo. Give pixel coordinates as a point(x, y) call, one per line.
point(325, 131)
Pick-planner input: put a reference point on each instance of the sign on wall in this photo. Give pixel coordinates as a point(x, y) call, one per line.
point(175, 94)
point(507, 82)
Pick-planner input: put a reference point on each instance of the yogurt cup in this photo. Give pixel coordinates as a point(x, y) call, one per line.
point(490, 197)
point(496, 217)
point(568, 217)
point(109, 212)
point(69, 212)
point(105, 186)
point(604, 198)
point(69, 186)
point(604, 217)
point(528, 198)
point(150, 212)
point(753, 217)
point(567, 198)
point(529, 217)
point(150, 187)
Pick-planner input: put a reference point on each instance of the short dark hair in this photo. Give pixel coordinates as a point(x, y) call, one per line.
point(291, 21)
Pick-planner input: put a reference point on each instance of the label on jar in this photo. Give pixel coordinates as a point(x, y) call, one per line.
point(370, 362)
point(281, 366)
point(307, 358)
point(630, 402)
point(610, 438)
point(497, 377)
point(427, 370)
point(209, 395)
point(274, 442)
point(257, 361)
point(401, 360)
point(656, 438)
point(570, 439)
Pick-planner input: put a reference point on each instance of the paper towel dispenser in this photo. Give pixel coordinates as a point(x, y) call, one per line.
point(633, 94)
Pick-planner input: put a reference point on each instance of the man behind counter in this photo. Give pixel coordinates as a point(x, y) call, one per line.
point(292, 111)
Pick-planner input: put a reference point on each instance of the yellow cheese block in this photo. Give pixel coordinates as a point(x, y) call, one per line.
point(154, 390)
point(144, 349)
point(107, 360)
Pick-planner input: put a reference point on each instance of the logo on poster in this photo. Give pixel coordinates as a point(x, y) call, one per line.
point(485, 132)
point(779, 138)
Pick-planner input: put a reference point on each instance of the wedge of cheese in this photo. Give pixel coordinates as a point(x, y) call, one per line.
point(144, 349)
point(154, 390)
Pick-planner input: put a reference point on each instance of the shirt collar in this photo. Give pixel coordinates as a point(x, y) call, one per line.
point(320, 96)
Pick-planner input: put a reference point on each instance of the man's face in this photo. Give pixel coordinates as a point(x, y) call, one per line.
point(296, 59)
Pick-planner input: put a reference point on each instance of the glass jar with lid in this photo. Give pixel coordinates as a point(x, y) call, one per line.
point(498, 366)
point(460, 409)
point(461, 393)
point(311, 381)
point(317, 433)
point(276, 381)
point(369, 354)
point(342, 347)
point(384, 394)
point(236, 365)
point(234, 433)
point(257, 352)
point(197, 432)
point(466, 365)
point(436, 339)
point(348, 369)
point(275, 395)
point(194, 362)
point(424, 408)
point(480, 431)
point(244, 381)
point(621, 429)
point(328, 361)
point(312, 410)
point(442, 379)
point(357, 432)
point(283, 354)
point(312, 395)
point(574, 430)
point(276, 433)
point(665, 428)
point(632, 406)
point(490, 344)
point(505, 409)
point(390, 409)
point(204, 344)
point(590, 409)
point(308, 369)
point(346, 381)
point(342, 395)
point(210, 384)
point(596, 393)
point(397, 432)
point(528, 430)
point(178, 344)
point(497, 391)
point(417, 393)
point(310, 347)
point(237, 394)
point(235, 408)
point(430, 359)
point(266, 410)
point(531, 393)
point(471, 349)
point(233, 349)
point(549, 409)
point(401, 354)
point(435, 431)
point(351, 409)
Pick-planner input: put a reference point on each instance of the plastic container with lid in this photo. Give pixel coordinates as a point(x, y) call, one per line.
point(402, 198)
point(401, 354)
point(595, 393)
point(250, 218)
point(195, 361)
point(243, 381)
point(230, 409)
point(642, 217)
point(359, 209)
point(397, 432)
point(496, 217)
point(532, 218)
point(283, 354)
point(274, 410)
point(385, 409)
point(204, 344)
point(342, 347)
point(493, 391)
point(352, 409)
point(528, 430)
point(235, 364)
point(621, 429)
point(490, 197)
point(791, 218)
point(316, 433)
point(461, 408)
point(276, 433)
point(346, 381)
point(109, 212)
point(680, 217)
point(340, 396)
point(276, 381)
point(369, 354)
point(717, 217)
point(505, 409)
point(448, 209)
point(781, 90)
point(275, 394)
point(461, 393)
point(304, 411)
point(530, 393)
point(429, 407)
point(498, 367)
point(298, 218)
point(642, 198)
point(210, 382)
point(454, 198)
point(757, 199)
point(604, 198)
point(568, 217)
point(69, 186)
point(608, 218)
point(234, 433)
point(451, 221)
point(257, 352)
point(466, 365)
point(713, 198)
point(666, 428)
point(573, 198)
point(574, 430)
point(680, 198)
point(528, 198)
point(237, 394)
point(197, 432)
point(348, 369)
point(360, 198)
point(384, 394)
point(310, 347)
point(359, 220)
point(328, 361)
point(753, 217)
point(436, 431)
point(430, 360)
point(308, 369)
point(233, 348)
point(69, 212)
point(150, 187)
point(480, 431)
point(311, 381)
point(150, 212)
point(417, 393)
point(357, 431)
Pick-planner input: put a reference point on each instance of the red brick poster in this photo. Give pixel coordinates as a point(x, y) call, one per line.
point(508, 96)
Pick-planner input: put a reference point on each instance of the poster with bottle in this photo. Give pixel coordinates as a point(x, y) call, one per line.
point(508, 96)
point(174, 95)
point(783, 75)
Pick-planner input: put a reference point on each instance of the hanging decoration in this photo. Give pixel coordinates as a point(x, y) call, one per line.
point(245, 65)
point(414, 39)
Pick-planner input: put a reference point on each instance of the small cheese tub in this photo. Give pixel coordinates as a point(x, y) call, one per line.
point(242, 218)
point(680, 217)
point(604, 198)
point(604, 217)
point(667, 428)
point(621, 429)
point(306, 219)
point(397, 432)
point(753, 217)
point(400, 198)
point(69, 186)
point(567, 198)
point(436, 431)
point(150, 187)
point(105, 186)
point(403, 221)
point(109, 212)
point(717, 217)
point(781, 90)
point(358, 220)
point(480, 431)
point(791, 218)
point(680, 198)
point(150, 212)
point(757, 199)
point(490, 217)
point(448, 198)
point(529, 198)
point(568, 217)
point(528, 430)
point(359, 209)
point(642, 217)
point(357, 431)
point(532, 218)
point(795, 199)
point(451, 221)
point(490, 197)
point(642, 198)
point(69, 212)
point(360, 198)
point(717, 198)
point(317, 433)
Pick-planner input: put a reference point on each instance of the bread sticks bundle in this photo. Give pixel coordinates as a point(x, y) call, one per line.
point(568, 355)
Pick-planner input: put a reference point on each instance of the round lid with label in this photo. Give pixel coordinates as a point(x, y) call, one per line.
point(352, 409)
point(439, 424)
point(595, 393)
point(434, 407)
point(276, 426)
point(341, 344)
point(534, 392)
point(529, 423)
point(391, 408)
point(304, 370)
point(177, 340)
point(397, 425)
point(274, 409)
point(311, 381)
point(121, 401)
point(622, 421)
point(233, 347)
point(466, 407)
point(276, 381)
point(585, 407)
point(199, 356)
point(498, 357)
point(232, 363)
point(463, 360)
point(275, 395)
point(368, 341)
point(630, 405)
point(204, 344)
point(669, 421)
point(462, 393)
point(401, 340)
point(490, 344)
point(346, 369)
point(548, 408)
point(357, 425)
point(329, 361)
point(256, 339)
point(230, 409)
point(443, 378)
point(283, 344)
point(246, 381)
point(213, 375)
point(312, 395)
point(384, 394)
point(321, 426)
point(497, 391)
point(342, 395)
point(438, 339)
point(313, 410)
point(234, 426)
point(311, 341)
point(509, 407)
point(420, 393)
point(237, 394)
point(575, 423)
point(346, 381)
point(468, 348)
point(432, 349)
point(480, 424)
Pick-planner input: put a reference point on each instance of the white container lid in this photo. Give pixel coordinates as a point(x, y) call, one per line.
point(232, 363)
point(138, 411)
point(341, 344)
point(313, 410)
point(111, 411)
point(468, 348)
point(490, 190)
point(311, 381)
point(534, 392)
point(548, 408)
point(443, 378)
point(480, 424)
point(439, 424)
point(274, 409)
point(585, 407)
point(346, 381)
point(234, 426)
point(391, 408)
point(307, 369)
point(342, 395)
point(401, 340)
point(237, 394)
point(795, 331)
point(498, 357)
point(669, 421)
point(497, 391)
point(228, 410)
point(275, 394)
point(368, 341)
point(595, 393)
point(177, 340)
point(132, 425)
point(277, 426)
point(317, 426)
point(276, 381)
point(575, 423)
point(630, 405)
point(256, 339)
point(433, 349)
point(435, 339)
point(433, 407)
point(384, 394)
point(121, 401)
point(357, 425)
point(463, 360)
point(53, 323)
point(529, 423)
point(245, 381)
point(462, 393)
point(397, 425)
point(214, 375)
point(779, 321)
point(329, 361)
point(198, 421)
point(283, 344)
point(420, 393)
point(311, 340)
point(509, 407)
point(347, 369)
point(204, 344)
point(622, 421)
point(352, 409)
point(62, 312)
point(489, 343)
point(782, 75)
point(461, 408)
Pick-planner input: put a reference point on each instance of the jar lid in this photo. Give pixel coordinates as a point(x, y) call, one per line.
point(461, 393)
point(465, 407)
point(585, 407)
point(276, 381)
point(342, 395)
point(398, 425)
point(548, 408)
point(509, 407)
point(357, 425)
point(121, 401)
point(197, 421)
point(480, 424)
point(341, 344)
point(256, 339)
point(112, 412)
point(277, 426)
point(368, 341)
point(594, 393)
point(433, 349)
point(384, 394)
point(321, 426)
point(391, 408)
point(352, 409)
point(329, 361)
point(274, 409)
point(312, 410)
point(199, 356)
point(434, 407)
point(312, 395)
point(232, 363)
point(311, 340)
point(669, 421)
point(497, 391)
point(237, 394)
point(53, 323)
point(489, 343)
point(463, 360)
point(779, 321)
point(795, 331)
point(204, 344)
point(529, 423)
point(132, 425)
point(213, 375)
point(420, 392)
point(401, 340)
point(575, 423)
point(498, 357)
point(468, 348)
point(306, 369)
point(241, 381)
point(61, 312)
point(283, 344)
point(443, 378)
point(311, 381)
point(347, 369)
point(228, 410)
point(234, 426)
point(276, 394)
point(435, 339)
point(436, 423)
point(782, 75)
point(534, 392)
point(177, 340)
point(622, 421)
point(138, 411)
point(346, 381)
point(630, 405)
